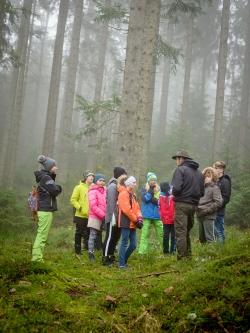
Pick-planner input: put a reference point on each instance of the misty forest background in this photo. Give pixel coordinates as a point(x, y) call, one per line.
point(96, 84)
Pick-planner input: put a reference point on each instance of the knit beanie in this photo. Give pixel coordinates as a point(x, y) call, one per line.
point(118, 171)
point(165, 187)
point(130, 181)
point(47, 162)
point(151, 176)
point(98, 176)
point(86, 174)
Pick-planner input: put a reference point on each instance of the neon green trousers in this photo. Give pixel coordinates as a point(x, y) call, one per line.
point(144, 242)
point(44, 224)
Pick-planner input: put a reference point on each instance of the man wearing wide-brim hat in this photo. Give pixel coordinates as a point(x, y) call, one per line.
point(188, 187)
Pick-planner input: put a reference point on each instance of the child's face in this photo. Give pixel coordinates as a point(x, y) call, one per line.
point(100, 182)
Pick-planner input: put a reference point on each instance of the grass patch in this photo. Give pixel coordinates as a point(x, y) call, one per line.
point(211, 293)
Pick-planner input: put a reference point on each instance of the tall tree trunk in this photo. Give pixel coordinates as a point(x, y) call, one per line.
point(165, 86)
point(187, 75)
point(244, 130)
point(146, 88)
point(17, 95)
point(93, 139)
point(203, 79)
point(130, 93)
point(222, 64)
point(31, 33)
point(50, 125)
point(65, 134)
point(37, 117)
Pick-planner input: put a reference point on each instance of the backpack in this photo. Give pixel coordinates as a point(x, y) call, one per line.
point(33, 201)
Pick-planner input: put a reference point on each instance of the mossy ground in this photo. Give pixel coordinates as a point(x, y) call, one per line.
point(211, 293)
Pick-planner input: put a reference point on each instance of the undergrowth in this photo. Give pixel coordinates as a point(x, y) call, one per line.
point(210, 293)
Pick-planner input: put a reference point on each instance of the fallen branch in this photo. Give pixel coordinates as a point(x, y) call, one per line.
point(155, 274)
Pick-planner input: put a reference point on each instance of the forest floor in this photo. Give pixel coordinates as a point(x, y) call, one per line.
point(210, 293)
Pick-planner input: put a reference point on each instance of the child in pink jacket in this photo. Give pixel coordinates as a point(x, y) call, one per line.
point(97, 210)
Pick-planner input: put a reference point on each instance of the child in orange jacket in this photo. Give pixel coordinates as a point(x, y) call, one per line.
point(129, 219)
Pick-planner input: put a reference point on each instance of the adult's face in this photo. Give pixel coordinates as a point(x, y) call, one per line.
point(219, 171)
point(179, 160)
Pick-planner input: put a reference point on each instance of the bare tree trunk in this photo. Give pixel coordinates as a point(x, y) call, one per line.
point(222, 64)
point(165, 86)
point(50, 125)
point(187, 75)
point(102, 50)
point(146, 88)
point(37, 117)
point(31, 33)
point(244, 130)
point(203, 79)
point(130, 93)
point(65, 134)
point(17, 95)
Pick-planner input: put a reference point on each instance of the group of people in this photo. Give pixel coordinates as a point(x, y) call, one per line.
point(169, 208)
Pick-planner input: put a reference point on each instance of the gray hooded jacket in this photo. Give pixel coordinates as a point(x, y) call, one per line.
point(210, 202)
point(111, 198)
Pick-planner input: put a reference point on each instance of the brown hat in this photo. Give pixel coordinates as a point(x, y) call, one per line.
point(181, 153)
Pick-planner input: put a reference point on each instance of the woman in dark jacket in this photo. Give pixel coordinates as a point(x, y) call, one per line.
point(47, 193)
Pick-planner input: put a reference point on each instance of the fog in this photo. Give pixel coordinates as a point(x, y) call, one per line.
point(123, 83)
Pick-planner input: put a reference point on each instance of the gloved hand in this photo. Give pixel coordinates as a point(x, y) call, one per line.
point(139, 222)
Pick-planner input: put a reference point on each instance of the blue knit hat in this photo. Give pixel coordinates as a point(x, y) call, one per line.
point(98, 176)
point(151, 176)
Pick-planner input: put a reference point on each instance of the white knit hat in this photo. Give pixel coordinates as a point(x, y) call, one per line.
point(131, 180)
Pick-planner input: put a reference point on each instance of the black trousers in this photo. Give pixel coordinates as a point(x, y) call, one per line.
point(82, 232)
point(168, 234)
point(112, 237)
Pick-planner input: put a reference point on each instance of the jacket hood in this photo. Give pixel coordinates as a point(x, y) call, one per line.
point(41, 173)
point(95, 187)
point(226, 176)
point(121, 188)
point(82, 183)
point(191, 164)
point(112, 180)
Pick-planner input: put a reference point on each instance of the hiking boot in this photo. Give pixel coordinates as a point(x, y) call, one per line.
point(91, 257)
point(112, 259)
point(107, 261)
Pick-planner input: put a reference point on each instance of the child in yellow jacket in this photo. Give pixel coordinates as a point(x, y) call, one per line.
point(79, 200)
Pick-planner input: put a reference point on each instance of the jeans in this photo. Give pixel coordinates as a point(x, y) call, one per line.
point(127, 235)
point(219, 228)
point(206, 229)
